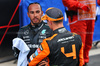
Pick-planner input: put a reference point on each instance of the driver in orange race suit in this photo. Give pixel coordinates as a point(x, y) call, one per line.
point(63, 48)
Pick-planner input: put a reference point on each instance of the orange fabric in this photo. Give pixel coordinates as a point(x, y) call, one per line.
point(46, 17)
point(73, 53)
point(74, 34)
point(44, 53)
point(48, 61)
point(90, 7)
point(50, 38)
point(81, 56)
point(49, 8)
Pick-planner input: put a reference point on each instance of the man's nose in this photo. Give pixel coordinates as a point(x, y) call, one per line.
point(35, 14)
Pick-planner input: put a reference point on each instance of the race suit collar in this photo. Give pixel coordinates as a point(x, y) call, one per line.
point(60, 30)
point(36, 25)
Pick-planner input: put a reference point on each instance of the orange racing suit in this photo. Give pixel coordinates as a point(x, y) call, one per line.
point(62, 49)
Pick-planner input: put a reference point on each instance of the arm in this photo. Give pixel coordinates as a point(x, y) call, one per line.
point(19, 35)
point(71, 4)
point(44, 48)
point(15, 50)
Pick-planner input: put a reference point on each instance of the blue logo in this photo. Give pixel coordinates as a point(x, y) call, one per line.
point(36, 53)
point(43, 31)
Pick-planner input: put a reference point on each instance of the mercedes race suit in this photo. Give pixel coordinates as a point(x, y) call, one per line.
point(33, 35)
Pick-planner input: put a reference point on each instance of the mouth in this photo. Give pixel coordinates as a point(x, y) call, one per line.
point(35, 19)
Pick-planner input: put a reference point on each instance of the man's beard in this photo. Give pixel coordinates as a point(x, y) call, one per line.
point(36, 23)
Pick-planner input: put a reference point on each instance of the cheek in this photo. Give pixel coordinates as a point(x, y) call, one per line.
point(39, 15)
point(31, 16)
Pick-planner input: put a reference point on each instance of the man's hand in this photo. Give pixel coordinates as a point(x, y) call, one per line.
point(16, 52)
point(43, 63)
point(83, 7)
point(86, 8)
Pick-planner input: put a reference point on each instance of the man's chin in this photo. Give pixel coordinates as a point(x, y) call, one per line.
point(36, 23)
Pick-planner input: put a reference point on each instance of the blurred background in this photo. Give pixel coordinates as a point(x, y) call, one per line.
point(12, 19)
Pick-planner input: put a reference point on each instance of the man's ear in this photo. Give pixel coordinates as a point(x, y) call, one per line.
point(42, 13)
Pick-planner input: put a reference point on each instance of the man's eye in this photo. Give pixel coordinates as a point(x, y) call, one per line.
point(32, 12)
point(37, 11)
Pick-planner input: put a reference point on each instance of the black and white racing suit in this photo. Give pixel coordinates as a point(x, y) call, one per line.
point(33, 35)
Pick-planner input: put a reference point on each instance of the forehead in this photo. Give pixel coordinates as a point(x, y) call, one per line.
point(34, 7)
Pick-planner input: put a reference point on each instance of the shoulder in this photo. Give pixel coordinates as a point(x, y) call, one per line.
point(77, 38)
point(50, 38)
point(45, 24)
point(76, 35)
point(24, 27)
point(47, 27)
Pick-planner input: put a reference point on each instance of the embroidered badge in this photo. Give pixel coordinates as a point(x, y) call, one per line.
point(43, 31)
point(26, 32)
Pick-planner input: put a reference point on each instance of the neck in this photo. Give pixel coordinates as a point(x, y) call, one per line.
point(34, 24)
point(57, 26)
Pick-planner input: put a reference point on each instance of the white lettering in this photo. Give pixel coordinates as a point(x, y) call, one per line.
point(67, 38)
point(33, 46)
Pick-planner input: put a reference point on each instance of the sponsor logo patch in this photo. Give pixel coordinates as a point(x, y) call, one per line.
point(40, 47)
point(33, 46)
point(64, 39)
point(38, 50)
point(36, 53)
point(43, 31)
point(33, 55)
point(26, 32)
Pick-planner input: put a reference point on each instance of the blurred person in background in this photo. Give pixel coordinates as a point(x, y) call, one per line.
point(81, 14)
point(98, 1)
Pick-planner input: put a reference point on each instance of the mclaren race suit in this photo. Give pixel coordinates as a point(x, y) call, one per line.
point(83, 27)
point(33, 35)
point(63, 49)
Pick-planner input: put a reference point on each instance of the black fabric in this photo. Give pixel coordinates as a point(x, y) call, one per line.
point(33, 35)
point(54, 13)
point(70, 13)
point(64, 39)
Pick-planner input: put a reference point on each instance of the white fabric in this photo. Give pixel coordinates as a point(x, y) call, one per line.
point(24, 50)
point(98, 10)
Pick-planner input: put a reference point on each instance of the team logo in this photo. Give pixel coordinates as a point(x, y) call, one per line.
point(41, 48)
point(43, 31)
point(61, 30)
point(26, 32)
